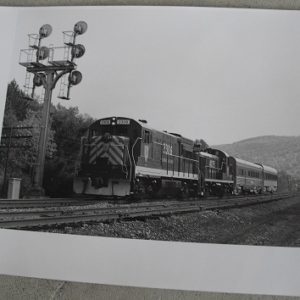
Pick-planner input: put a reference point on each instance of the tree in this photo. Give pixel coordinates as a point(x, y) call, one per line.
point(16, 104)
point(64, 136)
point(69, 126)
point(23, 151)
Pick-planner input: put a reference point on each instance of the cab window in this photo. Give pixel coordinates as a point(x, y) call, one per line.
point(147, 137)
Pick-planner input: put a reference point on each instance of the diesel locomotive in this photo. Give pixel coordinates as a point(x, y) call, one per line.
point(125, 157)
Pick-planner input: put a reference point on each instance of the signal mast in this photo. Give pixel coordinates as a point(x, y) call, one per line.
point(48, 65)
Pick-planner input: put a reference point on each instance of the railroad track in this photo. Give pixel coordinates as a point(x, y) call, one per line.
point(63, 202)
point(54, 216)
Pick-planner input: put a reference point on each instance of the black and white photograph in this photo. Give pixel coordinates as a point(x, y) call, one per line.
point(170, 124)
point(159, 123)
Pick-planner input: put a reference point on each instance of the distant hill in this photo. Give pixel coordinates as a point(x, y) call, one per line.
point(280, 152)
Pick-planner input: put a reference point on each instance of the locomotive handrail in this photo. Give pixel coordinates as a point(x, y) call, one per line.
point(138, 138)
point(130, 163)
point(182, 157)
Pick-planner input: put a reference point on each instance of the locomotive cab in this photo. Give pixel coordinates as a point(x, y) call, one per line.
point(106, 163)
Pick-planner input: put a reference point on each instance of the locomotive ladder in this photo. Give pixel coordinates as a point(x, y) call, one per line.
point(33, 44)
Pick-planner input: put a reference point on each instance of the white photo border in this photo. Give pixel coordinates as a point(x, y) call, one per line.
point(154, 264)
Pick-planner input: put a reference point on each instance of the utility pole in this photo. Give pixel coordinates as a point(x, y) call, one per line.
point(48, 65)
point(10, 137)
point(39, 172)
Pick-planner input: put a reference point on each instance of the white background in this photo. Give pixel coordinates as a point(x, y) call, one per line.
point(169, 265)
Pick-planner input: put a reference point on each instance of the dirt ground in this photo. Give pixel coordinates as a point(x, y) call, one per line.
point(271, 224)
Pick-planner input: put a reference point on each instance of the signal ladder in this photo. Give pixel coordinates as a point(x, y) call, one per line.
point(64, 88)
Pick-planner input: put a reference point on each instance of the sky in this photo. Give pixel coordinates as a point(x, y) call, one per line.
point(219, 74)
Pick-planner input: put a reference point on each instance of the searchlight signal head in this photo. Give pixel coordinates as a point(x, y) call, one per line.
point(80, 27)
point(42, 53)
point(38, 79)
point(59, 68)
point(45, 31)
point(78, 51)
point(75, 77)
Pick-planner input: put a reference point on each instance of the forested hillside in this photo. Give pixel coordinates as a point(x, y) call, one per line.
point(67, 127)
point(280, 152)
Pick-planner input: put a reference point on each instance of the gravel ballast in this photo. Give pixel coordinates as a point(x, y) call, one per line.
point(273, 224)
